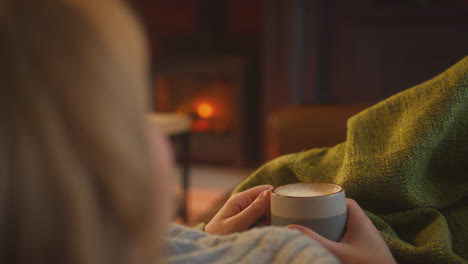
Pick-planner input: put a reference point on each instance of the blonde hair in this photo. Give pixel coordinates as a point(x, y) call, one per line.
point(75, 176)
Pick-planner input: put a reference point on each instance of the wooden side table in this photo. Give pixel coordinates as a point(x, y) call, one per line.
point(177, 127)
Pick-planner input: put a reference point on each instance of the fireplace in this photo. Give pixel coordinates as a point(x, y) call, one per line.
point(211, 90)
point(206, 63)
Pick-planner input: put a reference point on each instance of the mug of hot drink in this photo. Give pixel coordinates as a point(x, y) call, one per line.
point(318, 206)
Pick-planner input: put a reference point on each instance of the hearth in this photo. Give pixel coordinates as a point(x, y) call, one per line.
point(210, 89)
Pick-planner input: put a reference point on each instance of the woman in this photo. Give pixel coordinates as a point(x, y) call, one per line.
point(75, 175)
point(79, 183)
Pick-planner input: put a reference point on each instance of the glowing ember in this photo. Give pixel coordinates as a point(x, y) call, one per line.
point(205, 110)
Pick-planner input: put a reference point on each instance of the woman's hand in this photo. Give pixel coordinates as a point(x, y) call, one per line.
point(362, 242)
point(241, 211)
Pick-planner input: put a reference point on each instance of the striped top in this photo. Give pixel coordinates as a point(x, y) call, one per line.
point(259, 245)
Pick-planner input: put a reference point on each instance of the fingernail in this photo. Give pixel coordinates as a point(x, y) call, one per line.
point(263, 193)
point(293, 227)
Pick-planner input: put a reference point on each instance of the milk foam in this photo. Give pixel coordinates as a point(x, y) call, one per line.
point(307, 189)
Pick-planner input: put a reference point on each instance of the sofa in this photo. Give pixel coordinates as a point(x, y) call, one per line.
point(301, 127)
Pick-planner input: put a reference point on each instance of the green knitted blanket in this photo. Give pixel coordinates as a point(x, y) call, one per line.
point(405, 161)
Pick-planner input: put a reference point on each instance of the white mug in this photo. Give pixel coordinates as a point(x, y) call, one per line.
point(318, 206)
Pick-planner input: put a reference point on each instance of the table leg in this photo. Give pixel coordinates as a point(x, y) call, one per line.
point(185, 160)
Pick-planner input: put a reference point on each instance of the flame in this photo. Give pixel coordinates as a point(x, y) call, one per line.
point(205, 110)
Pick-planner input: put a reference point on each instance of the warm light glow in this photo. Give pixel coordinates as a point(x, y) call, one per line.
point(205, 110)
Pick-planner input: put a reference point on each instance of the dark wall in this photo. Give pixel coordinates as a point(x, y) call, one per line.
point(379, 50)
point(362, 50)
point(169, 23)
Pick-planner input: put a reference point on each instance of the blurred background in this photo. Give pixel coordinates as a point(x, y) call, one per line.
point(232, 63)
point(262, 78)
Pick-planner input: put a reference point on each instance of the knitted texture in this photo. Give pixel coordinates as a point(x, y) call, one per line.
point(272, 245)
point(405, 161)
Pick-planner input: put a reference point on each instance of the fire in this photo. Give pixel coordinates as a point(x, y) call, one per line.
point(205, 110)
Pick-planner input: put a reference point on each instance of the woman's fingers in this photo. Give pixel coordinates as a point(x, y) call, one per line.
point(242, 200)
point(241, 211)
point(362, 242)
point(359, 227)
point(254, 212)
